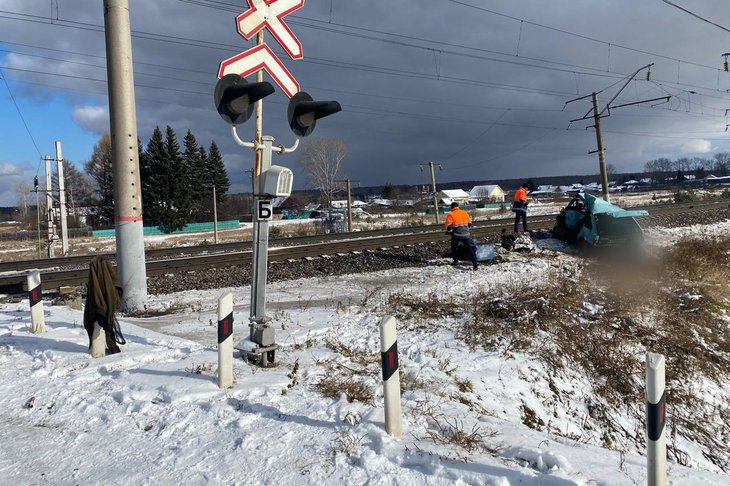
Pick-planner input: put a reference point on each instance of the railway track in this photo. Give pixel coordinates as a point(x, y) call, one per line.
point(74, 270)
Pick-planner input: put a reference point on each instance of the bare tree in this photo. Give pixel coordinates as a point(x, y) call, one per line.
point(722, 163)
point(22, 189)
point(100, 170)
point(610, 169)
point(323, 166)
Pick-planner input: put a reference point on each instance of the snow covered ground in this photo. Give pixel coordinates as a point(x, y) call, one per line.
point(154, 414)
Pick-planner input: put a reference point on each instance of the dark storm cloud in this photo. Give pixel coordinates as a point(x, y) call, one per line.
point(482, 114)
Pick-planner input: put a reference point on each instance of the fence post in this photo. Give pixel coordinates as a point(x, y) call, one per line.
point(35, 295)
point(391, 376)
point(225, 341)
point(656, 456)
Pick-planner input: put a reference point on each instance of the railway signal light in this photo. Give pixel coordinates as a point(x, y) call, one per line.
point(303, 112)
point(235, 97)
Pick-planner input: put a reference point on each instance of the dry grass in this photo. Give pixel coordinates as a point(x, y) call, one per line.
point(356, 390)
point(600, 324)
point(446, 431)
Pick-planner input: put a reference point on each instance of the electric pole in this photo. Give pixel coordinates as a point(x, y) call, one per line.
point(62, 199)
point(38, 215)
point(348, 185)
point(49, 208)
point(215, 217)
point(132, 274)
point(598, 114)
point(349, 206)
point(601, 150)
point(435, 194)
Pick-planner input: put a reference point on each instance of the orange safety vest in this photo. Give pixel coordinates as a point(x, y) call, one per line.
point(457, 217)
point(521, 195)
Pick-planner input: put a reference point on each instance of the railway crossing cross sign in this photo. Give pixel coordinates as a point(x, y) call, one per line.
point(267, 14)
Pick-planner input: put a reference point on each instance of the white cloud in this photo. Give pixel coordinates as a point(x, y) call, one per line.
point(8, 169)
point(94, 119)
point(12, 174)
point(697, 147)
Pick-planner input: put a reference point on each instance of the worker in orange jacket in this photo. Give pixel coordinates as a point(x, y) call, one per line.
point(519, 207)
point(458, 223)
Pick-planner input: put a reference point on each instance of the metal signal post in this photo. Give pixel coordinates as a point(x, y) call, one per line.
point(236, 100)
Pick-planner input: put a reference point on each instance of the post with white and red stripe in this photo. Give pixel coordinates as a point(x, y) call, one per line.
point(225, 341)
point(656, 454)
point(35, 295)
point(391, 376)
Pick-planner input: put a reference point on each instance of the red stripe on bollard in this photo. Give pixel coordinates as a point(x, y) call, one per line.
point(225, 328)
point(35, 296)
point(390, 361)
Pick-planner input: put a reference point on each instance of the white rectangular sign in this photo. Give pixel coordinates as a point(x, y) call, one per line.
point(264, 211)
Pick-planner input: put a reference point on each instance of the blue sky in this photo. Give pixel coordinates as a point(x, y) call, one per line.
point(480, 90)
point(49, 118)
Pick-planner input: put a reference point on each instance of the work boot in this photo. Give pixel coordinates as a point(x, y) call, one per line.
point(476, 266)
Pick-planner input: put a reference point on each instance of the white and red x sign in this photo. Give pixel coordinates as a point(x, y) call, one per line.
point(270, 14)
point(267, 14)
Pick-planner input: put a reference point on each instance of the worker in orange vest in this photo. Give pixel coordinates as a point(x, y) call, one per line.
point(519, 207)
point(458, 223)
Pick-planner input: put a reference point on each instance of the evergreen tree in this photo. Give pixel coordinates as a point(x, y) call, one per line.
point(215, 171)
point(206, 206)
point(194, 164)
point(100, 170)
point(154, 175)
point(177, 208)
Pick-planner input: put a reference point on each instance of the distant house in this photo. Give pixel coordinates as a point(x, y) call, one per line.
point(342, 204)
point(377, 201)
point(546, 191)
point(718, 180)
point(447, 196)
point(491, 192)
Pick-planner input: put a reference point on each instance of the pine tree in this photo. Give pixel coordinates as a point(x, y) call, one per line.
point(194, 164)
point(178, 207)
point(215, 171)
point(154, 175)
point(100, 170)
point(206, 206)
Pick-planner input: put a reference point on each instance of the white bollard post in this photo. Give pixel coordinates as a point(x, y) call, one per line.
point(98, 341)
point(391, 376)
point(656, 455)
point(225, 341)
point(35, 295)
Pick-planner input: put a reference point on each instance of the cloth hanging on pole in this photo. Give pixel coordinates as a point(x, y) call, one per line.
point(103, 298)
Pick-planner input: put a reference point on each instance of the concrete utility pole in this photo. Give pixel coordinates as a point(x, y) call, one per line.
point(348, 186)
point(349, 206)
point(51, 233)
point(601, 150)
point(215, 217)
point(38, 214)
point(62, 199)
point(435, 195)
point(131, 273)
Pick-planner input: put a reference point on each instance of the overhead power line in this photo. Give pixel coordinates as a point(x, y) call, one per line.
point(696, 15)
point(215, 45)
point(20, 113)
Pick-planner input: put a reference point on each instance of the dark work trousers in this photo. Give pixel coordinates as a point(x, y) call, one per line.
point(523, 216)
point(455, 242)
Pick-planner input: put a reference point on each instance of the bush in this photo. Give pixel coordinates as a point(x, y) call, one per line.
point(685, 196)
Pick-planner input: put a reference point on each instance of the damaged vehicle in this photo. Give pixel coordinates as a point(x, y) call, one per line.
point(596, 222)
